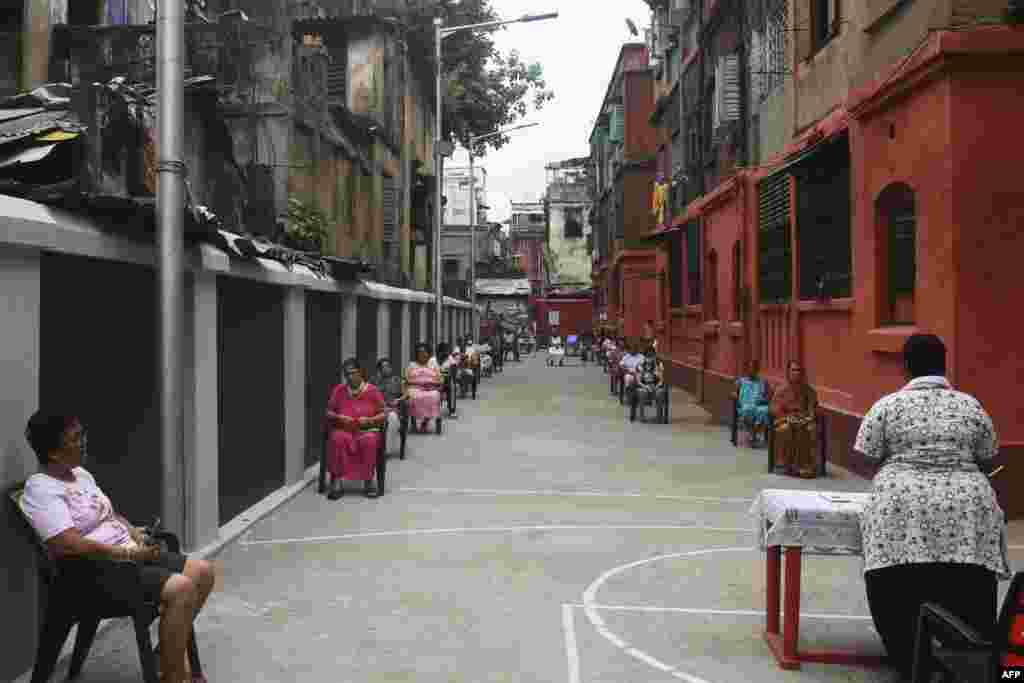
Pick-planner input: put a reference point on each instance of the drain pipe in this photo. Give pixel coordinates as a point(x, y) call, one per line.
point(170, 213)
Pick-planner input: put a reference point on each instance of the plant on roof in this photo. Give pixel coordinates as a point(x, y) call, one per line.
point(308, 227)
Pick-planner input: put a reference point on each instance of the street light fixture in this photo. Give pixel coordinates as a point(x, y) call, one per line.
point(474, 315)
point(440, 33)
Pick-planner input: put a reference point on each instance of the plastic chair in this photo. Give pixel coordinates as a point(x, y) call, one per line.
point(66, 607)
point(964, 655)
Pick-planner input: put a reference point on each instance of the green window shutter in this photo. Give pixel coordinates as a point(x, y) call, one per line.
point(617, 132)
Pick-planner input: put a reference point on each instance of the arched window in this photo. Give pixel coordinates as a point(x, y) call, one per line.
point(737, 280)
point(711, 287)
point(896, 212)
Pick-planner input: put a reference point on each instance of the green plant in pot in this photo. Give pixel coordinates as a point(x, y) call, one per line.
point(307, 227)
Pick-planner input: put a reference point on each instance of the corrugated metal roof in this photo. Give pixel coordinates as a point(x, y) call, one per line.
point(503, 287)
point(42, 122)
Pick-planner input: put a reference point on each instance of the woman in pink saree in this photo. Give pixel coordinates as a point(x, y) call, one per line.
point(423, 379)
point(356, 414)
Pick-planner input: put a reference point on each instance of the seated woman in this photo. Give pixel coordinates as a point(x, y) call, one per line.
point(469, 369)
point(753, 396)
point(932, 528)
point(356, 415)
point(650, 385)
point(795, 407)
point(556, 352)
point(630, 364)
point(390, 386)
point(486, 358)
point(99, 551)
point(423, 381)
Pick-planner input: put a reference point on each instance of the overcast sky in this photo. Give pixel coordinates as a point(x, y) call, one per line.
point(578, 52)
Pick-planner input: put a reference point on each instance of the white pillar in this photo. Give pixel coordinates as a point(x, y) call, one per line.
point(20, 306)
point(294, 383)
point(349, 309)
point(405, 329)
point(202, 494)
point(383, 331)
point(424, 332)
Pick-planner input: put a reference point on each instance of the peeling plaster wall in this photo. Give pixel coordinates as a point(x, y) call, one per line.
point(572, 259)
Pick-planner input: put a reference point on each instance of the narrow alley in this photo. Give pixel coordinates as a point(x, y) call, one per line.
point(542, 538)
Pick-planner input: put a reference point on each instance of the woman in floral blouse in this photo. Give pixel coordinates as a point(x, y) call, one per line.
point(933, 530)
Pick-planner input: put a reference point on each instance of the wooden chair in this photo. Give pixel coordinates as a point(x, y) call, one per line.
point(66, 607)
point(382, 459)
point(964, 655)
point(822, 439)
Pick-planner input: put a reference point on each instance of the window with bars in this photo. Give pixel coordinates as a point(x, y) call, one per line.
point(774, 271)
point(725, 106)
point(693, 263)
point(897, 214)
point(766, 47)
point(823, 223)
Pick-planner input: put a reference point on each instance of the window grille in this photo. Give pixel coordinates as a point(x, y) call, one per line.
point(766, 47)
point(823, 224)
point(774, 253)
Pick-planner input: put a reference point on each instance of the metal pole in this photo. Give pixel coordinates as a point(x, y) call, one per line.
point(474, 322)
point(170, 206)
point(439, 175)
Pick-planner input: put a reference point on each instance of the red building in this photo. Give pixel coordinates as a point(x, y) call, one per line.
point(572, 313)
point(901, 211)
point(623, 148)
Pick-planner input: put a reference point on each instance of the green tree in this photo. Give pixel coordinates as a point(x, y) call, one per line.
point(486, 90)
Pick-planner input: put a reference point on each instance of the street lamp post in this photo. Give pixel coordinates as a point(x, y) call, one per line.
point(440, 33)
point(472, 220)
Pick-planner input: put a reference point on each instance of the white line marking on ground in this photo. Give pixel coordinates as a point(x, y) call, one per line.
point(590, 609)
point(720, 612)
point(555, 492)
point(497, 529)
point(571, 649)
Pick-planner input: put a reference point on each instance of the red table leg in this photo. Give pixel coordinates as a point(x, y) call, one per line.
point(773, 581)
point(791, 604)
point(785, 647)
point(786, 658)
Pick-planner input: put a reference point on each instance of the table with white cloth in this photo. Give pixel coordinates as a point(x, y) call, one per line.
point(795, 523)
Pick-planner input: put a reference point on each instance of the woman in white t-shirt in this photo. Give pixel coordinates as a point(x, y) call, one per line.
point(99, 550)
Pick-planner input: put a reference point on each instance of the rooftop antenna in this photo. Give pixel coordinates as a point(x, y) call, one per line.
point(632, 27)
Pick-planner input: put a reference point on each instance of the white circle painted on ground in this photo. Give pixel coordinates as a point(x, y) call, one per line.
point(589, 601)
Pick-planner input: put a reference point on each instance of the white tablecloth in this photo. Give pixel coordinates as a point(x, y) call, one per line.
point(820, 522)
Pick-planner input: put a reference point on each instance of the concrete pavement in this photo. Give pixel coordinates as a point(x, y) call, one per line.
point(542, 538)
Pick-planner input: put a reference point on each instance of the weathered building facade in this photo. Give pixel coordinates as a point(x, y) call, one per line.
point(567, 199)
point(838, 184)
point(528, 237)
point(77, 195)
point(623, 147)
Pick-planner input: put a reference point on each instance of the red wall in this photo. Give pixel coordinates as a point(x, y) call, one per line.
point(638, 94)
point(950, 139)
point(988, 209)
point(575, 316)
